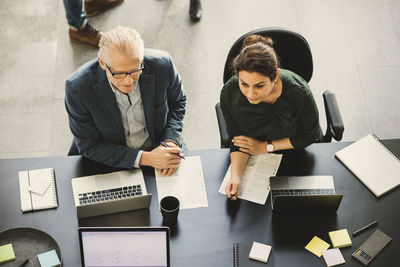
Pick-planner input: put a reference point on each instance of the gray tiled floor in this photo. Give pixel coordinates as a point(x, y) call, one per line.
point(355, 44)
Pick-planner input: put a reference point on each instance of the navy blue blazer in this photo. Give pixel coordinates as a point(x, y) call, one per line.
point(95, 119)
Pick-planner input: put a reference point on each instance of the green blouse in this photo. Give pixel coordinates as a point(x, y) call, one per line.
point(293, 115)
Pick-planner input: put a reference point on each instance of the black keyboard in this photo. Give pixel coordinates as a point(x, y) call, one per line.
point(110, 194)
point(301, 192)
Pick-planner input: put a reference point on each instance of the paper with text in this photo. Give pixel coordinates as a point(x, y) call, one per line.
point(254, 185)
point(186, 184)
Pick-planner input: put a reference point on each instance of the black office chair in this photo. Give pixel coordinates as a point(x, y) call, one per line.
point(295, 55)
point(73, 149)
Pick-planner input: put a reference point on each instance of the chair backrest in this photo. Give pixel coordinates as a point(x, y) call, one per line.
point(292, 49)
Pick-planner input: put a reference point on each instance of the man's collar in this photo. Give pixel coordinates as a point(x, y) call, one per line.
point(115, 89)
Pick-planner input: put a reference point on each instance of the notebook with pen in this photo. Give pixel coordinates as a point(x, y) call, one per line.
point(38, 189)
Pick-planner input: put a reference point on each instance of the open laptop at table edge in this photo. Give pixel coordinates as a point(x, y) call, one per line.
point(104, 182)
point(304, 194)
point(139, 231)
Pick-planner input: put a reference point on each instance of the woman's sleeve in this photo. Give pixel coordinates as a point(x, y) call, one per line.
point(308, 128)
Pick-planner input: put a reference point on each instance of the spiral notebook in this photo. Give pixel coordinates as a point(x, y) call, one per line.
point(254, 185)
point(38, 189)
point(236, 255)
point(372, 163)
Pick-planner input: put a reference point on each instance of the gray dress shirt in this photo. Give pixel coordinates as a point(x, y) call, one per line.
point(132, 115)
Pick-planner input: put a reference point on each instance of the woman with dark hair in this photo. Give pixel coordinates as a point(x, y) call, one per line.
point(266, 108)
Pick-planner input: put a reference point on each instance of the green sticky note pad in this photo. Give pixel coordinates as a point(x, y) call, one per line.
point(49, 259)
point(6, 253)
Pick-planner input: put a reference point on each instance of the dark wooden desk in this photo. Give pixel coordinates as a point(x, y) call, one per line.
point(204, 236)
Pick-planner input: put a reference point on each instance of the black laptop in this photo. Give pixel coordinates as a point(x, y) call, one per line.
point(124, 246)
point(304, 193)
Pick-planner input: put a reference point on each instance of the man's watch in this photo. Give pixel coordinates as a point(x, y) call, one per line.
point(270, 147)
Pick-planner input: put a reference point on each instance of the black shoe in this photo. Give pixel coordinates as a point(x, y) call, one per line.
point(195, 10)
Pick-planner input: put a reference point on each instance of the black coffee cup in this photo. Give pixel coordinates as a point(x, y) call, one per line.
point(169, 207)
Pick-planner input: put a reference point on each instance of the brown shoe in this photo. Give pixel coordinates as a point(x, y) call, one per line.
point(96, 6)
point(88, 35)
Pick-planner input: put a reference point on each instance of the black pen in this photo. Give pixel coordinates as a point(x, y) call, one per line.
point(166, 145)
point(24, 263)
point(365, 228)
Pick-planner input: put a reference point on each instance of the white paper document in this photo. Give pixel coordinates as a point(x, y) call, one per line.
point(186, 184)
point(254, 185)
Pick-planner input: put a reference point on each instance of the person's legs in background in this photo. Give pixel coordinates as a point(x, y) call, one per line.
point(80, 30)
point(195, 10)
point(94, 7)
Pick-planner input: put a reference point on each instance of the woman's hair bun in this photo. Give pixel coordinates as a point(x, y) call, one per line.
point(253, 39)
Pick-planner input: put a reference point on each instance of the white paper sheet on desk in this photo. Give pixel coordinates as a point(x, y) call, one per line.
point(187, 184)
point(254, 185)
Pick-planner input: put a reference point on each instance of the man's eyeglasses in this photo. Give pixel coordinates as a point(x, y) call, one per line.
point(121, 75)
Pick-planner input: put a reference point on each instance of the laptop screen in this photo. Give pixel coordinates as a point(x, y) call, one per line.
point(138, 246)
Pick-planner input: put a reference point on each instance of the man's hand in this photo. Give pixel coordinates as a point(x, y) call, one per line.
point(166, 172)
point(232, 189)
point(169, 171)
point(249, 145)
point(163, 159)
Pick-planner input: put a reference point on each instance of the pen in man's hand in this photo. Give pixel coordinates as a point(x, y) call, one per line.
point(24, 263)
point(166, 145)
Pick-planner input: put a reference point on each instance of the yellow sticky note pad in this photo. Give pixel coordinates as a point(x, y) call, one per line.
point(317, 245)
point(6, 253)
point(340, 238)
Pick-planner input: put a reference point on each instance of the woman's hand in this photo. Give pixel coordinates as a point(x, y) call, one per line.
point(249, 145)
point(232, 189)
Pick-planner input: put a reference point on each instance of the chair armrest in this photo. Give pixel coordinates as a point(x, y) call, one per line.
point(223, 132)
point(334, 120)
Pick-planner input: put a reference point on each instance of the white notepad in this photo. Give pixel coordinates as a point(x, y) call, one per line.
point(333, 257)
point(372, 163)
point(37, 189)
point(186, 184)
point(260, 252)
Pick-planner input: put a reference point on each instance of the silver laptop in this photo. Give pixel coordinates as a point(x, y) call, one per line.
point(110, 193)
point(124, 246)
point(304, 193)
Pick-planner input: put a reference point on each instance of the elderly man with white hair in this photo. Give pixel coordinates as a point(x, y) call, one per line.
point(124, 104)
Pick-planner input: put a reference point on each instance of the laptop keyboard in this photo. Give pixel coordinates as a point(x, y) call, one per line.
point(110, 194)
point(301, 192)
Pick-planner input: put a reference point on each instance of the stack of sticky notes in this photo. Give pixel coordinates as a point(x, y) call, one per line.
point(317, 245)
point(260, 252)
point(49, 259)
point(6, 253)
point(340, 238)
point(332, 257)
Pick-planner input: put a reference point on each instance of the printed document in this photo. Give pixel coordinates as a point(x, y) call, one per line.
point(254, 185)
point(186, 184)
